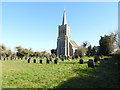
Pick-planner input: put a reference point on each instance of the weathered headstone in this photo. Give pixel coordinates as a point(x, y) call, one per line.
point(47, 61)
point(41, 61)
point(65, 57)
point(60, 56)
point(34, 61)
point(56, 61)
point(50, 59)
point(62, 59)
point(73, 57)
point(81, 61)
point(76, 57)
point(96, 58)
point(29, 60)
point(91, 63)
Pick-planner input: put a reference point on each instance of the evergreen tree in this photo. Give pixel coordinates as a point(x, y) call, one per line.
point(107, 44)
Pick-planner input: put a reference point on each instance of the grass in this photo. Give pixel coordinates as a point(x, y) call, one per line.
point(20, 74)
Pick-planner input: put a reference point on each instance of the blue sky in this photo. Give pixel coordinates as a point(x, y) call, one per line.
point(35, 24)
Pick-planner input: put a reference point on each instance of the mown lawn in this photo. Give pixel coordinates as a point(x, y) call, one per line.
point(67, 74)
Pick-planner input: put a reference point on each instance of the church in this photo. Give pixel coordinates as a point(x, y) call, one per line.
point(65, 46)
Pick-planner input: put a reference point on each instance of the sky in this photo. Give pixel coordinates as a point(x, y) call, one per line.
point(35, 24)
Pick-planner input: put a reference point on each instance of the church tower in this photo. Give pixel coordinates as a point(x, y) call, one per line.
point(63, 38)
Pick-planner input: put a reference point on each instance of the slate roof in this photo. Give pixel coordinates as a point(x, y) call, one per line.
point(73, 44)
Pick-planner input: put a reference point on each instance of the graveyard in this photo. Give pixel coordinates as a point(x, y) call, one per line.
point(59, 73)
point(59, 45)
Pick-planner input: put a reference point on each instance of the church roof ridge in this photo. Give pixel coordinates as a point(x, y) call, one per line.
point(73, 43)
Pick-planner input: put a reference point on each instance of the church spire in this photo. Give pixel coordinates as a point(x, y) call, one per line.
point(64, 18)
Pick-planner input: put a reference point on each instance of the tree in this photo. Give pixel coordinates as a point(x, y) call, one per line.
point(2, 47)
point(31, 53)
point(89, 52)
point(20, 52)
point(8, 53)
point(54, 51)
point(47, 54)
point(44, 54)
point(107, 44)
point(13, 54)
point(86, 43)
point(2, 50)
point(36, 54)
point(119, 41)
point(26, 52)
point(95, 51)
point(81, 51)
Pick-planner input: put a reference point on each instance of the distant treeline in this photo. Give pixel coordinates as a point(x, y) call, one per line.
point(107, 44)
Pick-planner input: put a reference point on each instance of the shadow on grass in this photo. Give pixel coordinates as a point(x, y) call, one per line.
point(68, 62)
point(105, 75)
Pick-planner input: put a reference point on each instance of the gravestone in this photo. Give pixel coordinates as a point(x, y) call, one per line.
point(50, 59)
point(65, 57)
point(62, 59)
point(91, 63)
point(81, 61)
point(29, 60)
point(73, 57)
point(60, 56)
point(76, 57)
point(96, 58)
point(34, 61)
point(56, 61)
point(47, 61)
point(41, 61)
